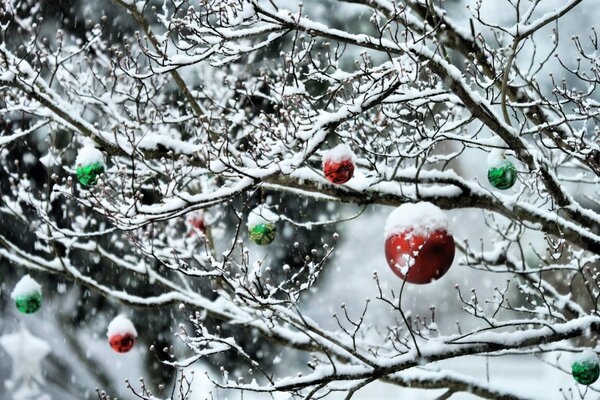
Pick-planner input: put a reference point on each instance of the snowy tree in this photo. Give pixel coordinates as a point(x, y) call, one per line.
point(168, 153)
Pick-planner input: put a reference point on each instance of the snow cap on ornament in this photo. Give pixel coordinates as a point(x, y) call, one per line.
point(27, 295)
point(338, 164)
point(261, 225)
point(121, 334)
point(586, 367)
point(418, 245)
point(89, 165)
point(501, 173)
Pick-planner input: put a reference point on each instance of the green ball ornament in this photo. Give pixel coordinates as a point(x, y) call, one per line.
point(30, 303)
point(27, 295)
point(263, 234)
point(586, 368)
point(88, 174)
point(502, 175)
point(261, 225)
point(89, 165)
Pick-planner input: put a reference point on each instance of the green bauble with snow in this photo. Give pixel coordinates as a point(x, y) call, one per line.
point(261, 225)
point(27, 295)
point(263, 234)
point(501, 173)
point(89, 164)
point(586, 367)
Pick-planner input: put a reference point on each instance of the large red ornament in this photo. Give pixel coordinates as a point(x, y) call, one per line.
point(426, 257)
point(338, 172)
point(122, 343)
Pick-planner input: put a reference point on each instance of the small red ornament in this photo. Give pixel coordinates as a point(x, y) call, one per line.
point(122, 343)
point(121, 334)
point(197, 222)
point(418, 246)
point(426, 258)
point(338, 165)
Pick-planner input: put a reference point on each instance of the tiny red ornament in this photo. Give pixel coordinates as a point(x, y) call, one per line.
point(197, 222)
point(338, 165)
point(122, 343)
point(418, 246)
point(121, 334)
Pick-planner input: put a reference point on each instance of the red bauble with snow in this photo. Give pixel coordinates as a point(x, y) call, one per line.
point(122, 343)
point(418, 246)
point(338, 164)
point(197, 222)
point(121, 334)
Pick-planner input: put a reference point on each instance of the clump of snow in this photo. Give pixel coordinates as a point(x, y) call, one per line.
point(237, 16)
point(420, 218)
point(495, 157)
point(29, 159)
point(339, 153)
point(50, 160)
point(89, 155)
point(588, 357)
point(7, 76)
point(196, 218)
point(120, 325)
point(26, 286)
point(261, 215)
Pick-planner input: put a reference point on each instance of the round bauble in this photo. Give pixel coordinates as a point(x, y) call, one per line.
point(338, 164)
point(121, 334)
point(418, 246)
point(89, 164)
point(263, 234)
point(27, 295)
point(121, 343)
point(261, 225)
point(197, 223)
point(502, 175)
point(586, 367)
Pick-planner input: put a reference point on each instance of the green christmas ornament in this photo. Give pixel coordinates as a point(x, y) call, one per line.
point(88, 174)
point(263, 234)
point(502, 175)
point(29, 304)
point(27, 295)
point(90, 164)
point(586, 368)
point(261, 225)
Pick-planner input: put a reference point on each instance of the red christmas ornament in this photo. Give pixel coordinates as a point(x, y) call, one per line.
point(197, 222)
point(122, 343)
point(338, 165)
point(338, 172)
point(426, 258)
point(418, 246)
point(121, 334)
